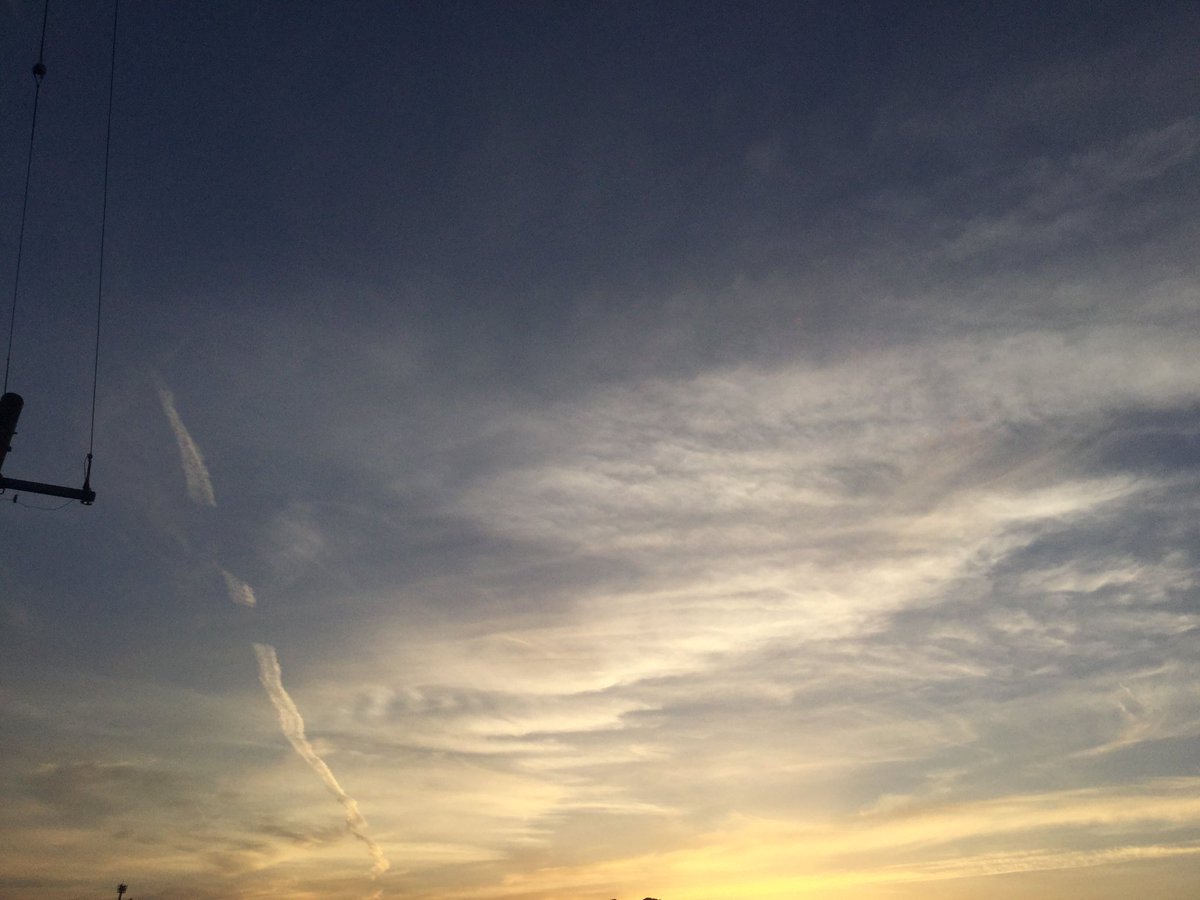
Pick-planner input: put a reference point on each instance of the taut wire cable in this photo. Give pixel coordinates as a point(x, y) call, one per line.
point(112, 70)
point(39, 69)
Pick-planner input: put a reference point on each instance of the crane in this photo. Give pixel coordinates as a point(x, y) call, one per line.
point(10, 410)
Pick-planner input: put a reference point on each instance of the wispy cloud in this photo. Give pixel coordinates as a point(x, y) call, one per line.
point(907, 575)
point(877, 856)
point(199, 484)
point(292, 725)
point(792, 504)
point(239, 592)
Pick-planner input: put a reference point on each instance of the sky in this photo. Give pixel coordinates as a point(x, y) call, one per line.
point(604, 450)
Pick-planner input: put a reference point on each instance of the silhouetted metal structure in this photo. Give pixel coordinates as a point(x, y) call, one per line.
point(10, 410)
point(11, 404)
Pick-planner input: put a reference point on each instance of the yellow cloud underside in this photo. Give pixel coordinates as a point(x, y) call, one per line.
point(875, 855)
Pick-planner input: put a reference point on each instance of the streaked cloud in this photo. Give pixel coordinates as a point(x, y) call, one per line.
point(239, 592)
point(777, 860)
point(199, 484)
point(292, 725)
point(695, 456)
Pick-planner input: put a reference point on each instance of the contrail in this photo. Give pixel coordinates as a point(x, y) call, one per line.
point(292, 725)
point(199, 485)
point(239, 592)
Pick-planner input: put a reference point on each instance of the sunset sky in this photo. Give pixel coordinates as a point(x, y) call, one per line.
point(598, 450)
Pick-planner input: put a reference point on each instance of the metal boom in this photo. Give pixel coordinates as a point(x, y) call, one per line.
point(10, 410)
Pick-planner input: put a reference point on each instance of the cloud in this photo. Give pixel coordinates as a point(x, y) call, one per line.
point(239, 592)
point(87, 790)
point(292, 725)
point(199, 484)
point(937, 573)
point(830, 492)
point(1049, 202)
point(878, 855)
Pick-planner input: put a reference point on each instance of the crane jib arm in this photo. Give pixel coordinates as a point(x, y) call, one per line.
point(10, 410)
